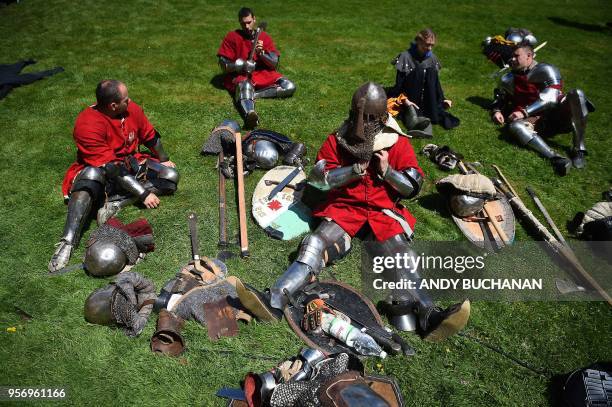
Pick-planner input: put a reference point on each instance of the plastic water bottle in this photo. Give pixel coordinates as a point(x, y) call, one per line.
point(352, 336)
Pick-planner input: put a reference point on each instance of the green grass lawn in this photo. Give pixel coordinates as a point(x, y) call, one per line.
point(165, 52)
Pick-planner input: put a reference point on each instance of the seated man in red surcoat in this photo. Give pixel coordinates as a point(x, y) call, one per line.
point(368, 166)
point(250, 67)
point(110, 164)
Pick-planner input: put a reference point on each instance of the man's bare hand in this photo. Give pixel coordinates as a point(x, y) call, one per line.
point(498, 118)
point(169, 164)
point(518, 115)
point(383, 161)
point(259, 47)
point(151, 201)
point(360, 167)
point(447, 103)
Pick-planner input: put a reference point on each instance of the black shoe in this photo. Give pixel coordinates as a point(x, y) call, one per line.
point(561, 165)
point(437, 324)
point(578, 159)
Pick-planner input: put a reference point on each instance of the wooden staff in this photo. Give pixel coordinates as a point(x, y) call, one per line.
point(244, 241)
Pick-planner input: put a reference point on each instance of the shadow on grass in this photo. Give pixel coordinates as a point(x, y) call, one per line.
point(607, 28)
point(435, 202)
point(217, 81)
point(483, 103)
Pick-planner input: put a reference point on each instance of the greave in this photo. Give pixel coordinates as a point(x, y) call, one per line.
point(79, 206)
point(579, 111)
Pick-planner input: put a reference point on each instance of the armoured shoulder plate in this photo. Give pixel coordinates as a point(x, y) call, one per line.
point(545, 75)
point(404, 62)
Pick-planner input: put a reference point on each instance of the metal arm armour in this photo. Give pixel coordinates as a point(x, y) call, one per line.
point(228, 65)
point(334, 178)
point(548, 99)
point(270, 59)
point(504, 89)
point(548, 78)
point(125, 180)
point(130, 184)
point(407, 183)
point(156, 147)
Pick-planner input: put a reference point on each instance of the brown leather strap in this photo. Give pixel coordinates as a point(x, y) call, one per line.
point(145, 303)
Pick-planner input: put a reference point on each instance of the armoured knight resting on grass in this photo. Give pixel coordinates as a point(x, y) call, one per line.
point(368, 166)
point(531, 101)
point(109, 164)
point(255, 77)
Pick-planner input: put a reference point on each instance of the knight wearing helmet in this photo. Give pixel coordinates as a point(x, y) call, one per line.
point(368, 165)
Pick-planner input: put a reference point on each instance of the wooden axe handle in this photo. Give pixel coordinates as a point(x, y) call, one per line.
point(244, 241)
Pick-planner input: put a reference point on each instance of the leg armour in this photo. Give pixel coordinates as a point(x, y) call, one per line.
point(523, 132)
point(245, 93)
point(412, 310)
point(399, 305)
point(79, 207)
point(87, 190)
point(162, 180)
point(92, 180)
point(326, 244)
point(283, 88)
point(578, 107)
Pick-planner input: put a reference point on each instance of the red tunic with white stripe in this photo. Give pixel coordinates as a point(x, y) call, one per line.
point(101, 139)
point(236, 45)
point(361, 201)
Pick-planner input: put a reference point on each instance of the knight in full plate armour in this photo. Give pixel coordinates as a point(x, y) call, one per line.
point(368, 165)
point(531, 101)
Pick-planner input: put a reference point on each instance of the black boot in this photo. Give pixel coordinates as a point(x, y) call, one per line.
point(561, 165)
point(436, 324)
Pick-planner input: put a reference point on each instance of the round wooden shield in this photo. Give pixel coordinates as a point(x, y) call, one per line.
point(284, 216)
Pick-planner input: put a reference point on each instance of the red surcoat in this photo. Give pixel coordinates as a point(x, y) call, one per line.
point(235, 45)
point(362, 201)
point(101, 139)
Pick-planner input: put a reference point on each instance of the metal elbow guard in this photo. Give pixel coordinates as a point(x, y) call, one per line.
point(228, 66)
point(408, 182)
point(270, 59)
point(549, 98)
point(295, 278)
point(131, 185)
point(156, 147)
point(335, 178)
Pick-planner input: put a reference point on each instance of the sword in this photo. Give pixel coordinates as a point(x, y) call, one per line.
point(284, 182)
point(67, 269)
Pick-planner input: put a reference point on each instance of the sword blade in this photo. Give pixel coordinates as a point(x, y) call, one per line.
point(67, 269)
point(284, 183)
